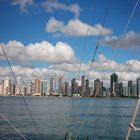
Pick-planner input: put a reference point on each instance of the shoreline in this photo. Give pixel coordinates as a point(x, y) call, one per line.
point(72, 97)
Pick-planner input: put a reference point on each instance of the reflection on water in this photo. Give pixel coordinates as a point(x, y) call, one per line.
point(108, 119)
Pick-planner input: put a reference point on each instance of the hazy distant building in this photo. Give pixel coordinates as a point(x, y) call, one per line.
point(6, 87)
point(60, 87)
point(98, 88)
point(138, 86)
point(73, 86)
point(13, 88)
point(52, 85)
point(87, 91)
point(104, 92)
point(46, 87)
point(19, 86)
point(37, 86)
point(24, 90)
point(91, 91)
point(113, 81)
point(1, 88)
point(30, 87)
point(66, 88)
point(42, 88)
point(130, 88)
point(118, 89)
point(134, 90)
point(83, 86)
point(125, 91)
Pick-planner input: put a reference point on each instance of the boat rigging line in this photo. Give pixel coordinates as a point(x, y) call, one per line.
point(34, 123)
point(133, 119)
point(93, 58)
point(17, 130)
point(128, 66)
point(134, 127)
point(99, 37)
point(85, 39)
point(125, 29)
point(138, 100)
point(129, 20)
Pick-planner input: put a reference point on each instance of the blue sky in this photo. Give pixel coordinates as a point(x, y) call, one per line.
point(34, 21)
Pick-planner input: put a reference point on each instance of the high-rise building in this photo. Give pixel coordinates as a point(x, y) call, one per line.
point(66, 88)
point(37, 86)
point(24, 90)
point(130, 88)
point(13, 88)
point(46, 87)
point(19, 86)
point(119, 89)
point(6, 87)
point(125, 91)
point(104, 91)
point(91, 91)
point(113, 81)
point(134, 90)
point(52, 86)
point(30, 87)
point(1, 88)
point(138, 87)
point(87, 92)
point(42, 88)
point(73, 86)
point(83, 86)
point(98, 88)
point(60, 85)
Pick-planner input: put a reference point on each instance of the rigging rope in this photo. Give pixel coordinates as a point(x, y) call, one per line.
point(97, 45)
point(125, 29)
point(133, 119)
point(129, 20)
point(138, 102)
point(2, 115)
point(99, 37)
point(85, 41)
point(20, 90)
point(127, 67)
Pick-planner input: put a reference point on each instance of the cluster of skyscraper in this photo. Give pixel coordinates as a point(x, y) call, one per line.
point(85, 89)
point(58, 87)
point(35, 87)
point(117, 89)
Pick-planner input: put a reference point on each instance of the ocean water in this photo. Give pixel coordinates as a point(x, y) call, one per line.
point(108, 119)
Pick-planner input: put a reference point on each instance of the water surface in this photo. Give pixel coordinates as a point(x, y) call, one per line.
point(108, 119)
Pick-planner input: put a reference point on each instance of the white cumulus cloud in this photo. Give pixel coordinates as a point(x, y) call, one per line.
point(51, 5)
point(70, 67)
point(74, 27)
point(128, 40)
point(23, 4)
point(38, 52)
point(131, 72)
point(28, 72)
point(102, 68)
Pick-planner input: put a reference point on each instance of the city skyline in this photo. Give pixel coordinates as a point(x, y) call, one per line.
point(57, 86)
point(48, 37)
point(77, 50)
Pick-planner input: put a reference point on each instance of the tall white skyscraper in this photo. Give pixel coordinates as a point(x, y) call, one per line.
point(30, 87)
point(1, 86)
point(52, 85)
point(19, 86)
point(6, 87)
point(46, 87)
